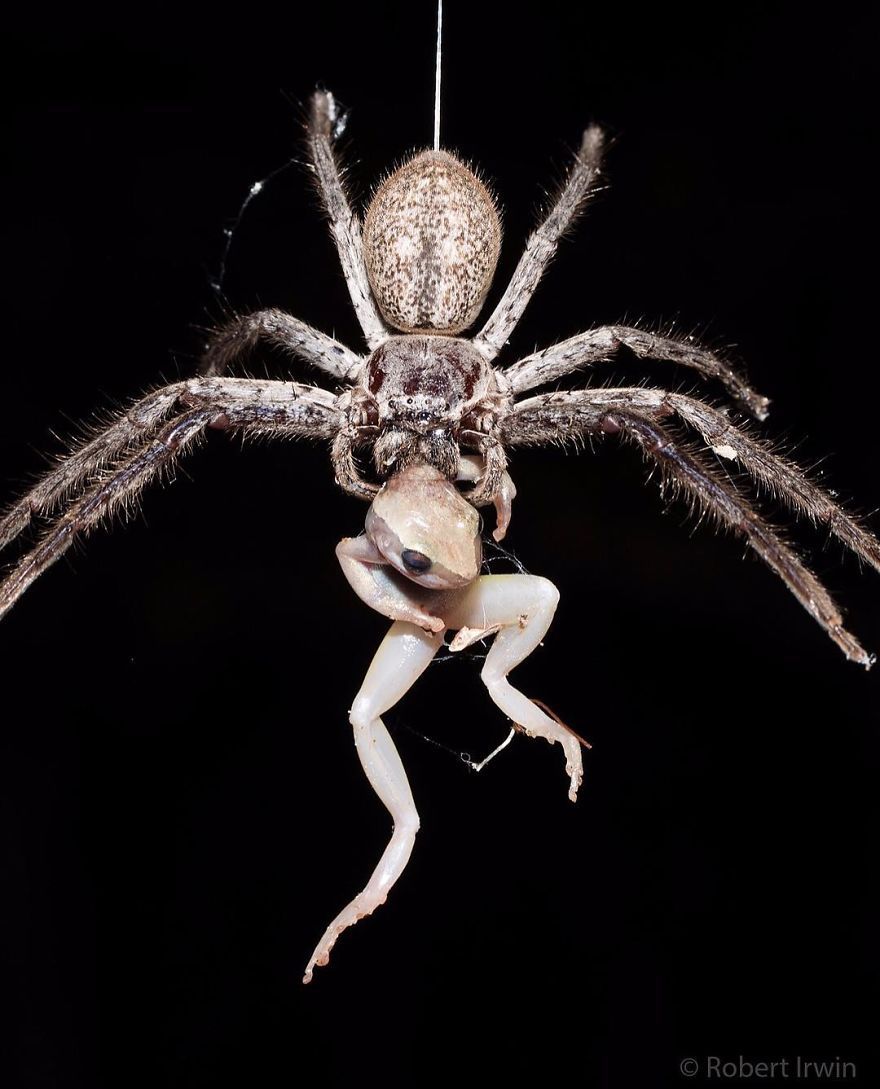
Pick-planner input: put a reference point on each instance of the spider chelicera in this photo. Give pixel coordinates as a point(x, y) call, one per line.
point(428, 407)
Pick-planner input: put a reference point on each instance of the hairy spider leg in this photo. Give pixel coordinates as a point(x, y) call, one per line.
point(325, 124)
point(600, 346)
point(535, 420)
point(542, 244)
point(233, 342)
point(107, 474)
point(634, 414)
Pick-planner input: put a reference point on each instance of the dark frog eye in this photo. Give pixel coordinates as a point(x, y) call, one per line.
point(417, 562)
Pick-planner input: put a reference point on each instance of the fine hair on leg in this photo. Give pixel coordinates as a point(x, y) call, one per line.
point(634, 414)
point(110, 471)
point(345, 225)
point(126, 429)
point(542, 244)
point(600, 345)
point(232, 342)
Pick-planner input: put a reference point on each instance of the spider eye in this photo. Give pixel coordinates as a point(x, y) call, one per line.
point(417, 562)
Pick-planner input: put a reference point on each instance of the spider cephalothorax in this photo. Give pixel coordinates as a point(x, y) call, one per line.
point(421, 398)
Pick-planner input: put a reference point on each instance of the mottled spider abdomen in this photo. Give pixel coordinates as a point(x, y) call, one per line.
point(431, 241)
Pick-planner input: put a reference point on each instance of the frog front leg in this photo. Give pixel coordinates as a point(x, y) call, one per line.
point(520, 609)
point(378, 585)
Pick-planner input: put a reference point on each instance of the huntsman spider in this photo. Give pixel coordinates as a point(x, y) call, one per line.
point(432, 415)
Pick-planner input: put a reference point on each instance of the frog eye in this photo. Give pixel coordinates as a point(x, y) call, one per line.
point(417, 562)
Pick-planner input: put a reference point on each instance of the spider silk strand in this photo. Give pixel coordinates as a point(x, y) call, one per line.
point(437, 73)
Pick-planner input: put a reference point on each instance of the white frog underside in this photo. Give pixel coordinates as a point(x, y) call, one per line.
point(516, 609)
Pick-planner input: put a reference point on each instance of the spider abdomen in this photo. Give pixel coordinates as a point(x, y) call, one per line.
point(431, 241)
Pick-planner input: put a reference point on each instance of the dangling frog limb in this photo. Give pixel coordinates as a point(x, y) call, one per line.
point(418, 565)
point(405, 653)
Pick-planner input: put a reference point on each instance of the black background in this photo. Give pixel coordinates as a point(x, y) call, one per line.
point(181, 808)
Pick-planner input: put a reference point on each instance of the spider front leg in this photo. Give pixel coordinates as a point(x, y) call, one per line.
point(325, 125)
point(542, 245)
